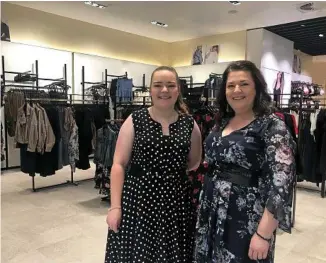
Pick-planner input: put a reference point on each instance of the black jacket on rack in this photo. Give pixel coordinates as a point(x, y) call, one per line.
point(320, 136)
point(84, 119)
point(308, 152)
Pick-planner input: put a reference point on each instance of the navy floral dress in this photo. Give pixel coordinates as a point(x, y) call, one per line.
point(248, 170)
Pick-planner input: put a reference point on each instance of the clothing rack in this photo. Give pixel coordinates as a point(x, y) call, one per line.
point(191, 81)
point(70, 102)
point(37, 78)
point(300, 110)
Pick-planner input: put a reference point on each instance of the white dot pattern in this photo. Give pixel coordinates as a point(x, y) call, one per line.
point(158, 221)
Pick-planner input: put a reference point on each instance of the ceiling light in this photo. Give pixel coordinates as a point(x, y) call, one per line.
point(303, 25)
point(91, 3)
point(232, 12)
point(160, 24)
point(321, 35)
point(234, 2)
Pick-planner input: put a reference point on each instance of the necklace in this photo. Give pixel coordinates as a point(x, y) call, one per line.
point(163, 125)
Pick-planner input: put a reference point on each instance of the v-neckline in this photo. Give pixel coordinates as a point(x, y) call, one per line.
point(160, 125)
point(235, 131)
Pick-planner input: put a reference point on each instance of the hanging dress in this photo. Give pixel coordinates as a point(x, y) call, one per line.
point(158, 216)
point(248, 170)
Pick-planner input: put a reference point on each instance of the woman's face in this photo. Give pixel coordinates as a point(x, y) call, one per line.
point(240, 91)
point(164, 89)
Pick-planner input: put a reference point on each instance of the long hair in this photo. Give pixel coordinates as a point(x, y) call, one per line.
point(180, 106)
point(262, 102)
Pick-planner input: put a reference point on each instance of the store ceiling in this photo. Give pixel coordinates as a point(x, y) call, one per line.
point(305, 35)
point(186, 20)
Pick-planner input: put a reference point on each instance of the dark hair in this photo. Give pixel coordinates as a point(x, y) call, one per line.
point(179, 106)
point(262, 101)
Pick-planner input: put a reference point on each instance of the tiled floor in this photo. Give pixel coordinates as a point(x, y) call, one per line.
point(67, 224)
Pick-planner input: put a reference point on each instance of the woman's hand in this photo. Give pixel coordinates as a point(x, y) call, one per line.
point(113, 219)
point(258, 249)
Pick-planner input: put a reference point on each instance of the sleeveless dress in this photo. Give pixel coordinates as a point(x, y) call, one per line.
point(158, 216)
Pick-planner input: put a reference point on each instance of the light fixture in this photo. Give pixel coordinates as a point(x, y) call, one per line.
point(91, 3)
point(234, 2)
point(303, 25)
point(321, 35)
point(160, 24)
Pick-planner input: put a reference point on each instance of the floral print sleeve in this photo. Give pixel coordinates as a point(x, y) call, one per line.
point(279, 172)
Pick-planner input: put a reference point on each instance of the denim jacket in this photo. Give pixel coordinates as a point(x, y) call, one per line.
point(106, 140)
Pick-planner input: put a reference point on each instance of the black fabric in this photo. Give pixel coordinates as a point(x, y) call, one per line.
point(5, 32)
point(48, 163)
point(83, 119)
point(22, 77)
point(308, 152)
point(320, 136)
point(113, 89)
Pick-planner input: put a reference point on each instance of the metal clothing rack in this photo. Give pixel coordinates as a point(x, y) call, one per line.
point(191, 80)
point(69, 103)
point(300, 111)
point(19, 85)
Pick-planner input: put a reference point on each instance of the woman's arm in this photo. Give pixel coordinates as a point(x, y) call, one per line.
point(267, 225)
point(279, 177)
point(195, 154)
point(120, 161)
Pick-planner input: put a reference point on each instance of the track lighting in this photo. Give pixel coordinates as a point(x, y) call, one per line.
point(91, 3)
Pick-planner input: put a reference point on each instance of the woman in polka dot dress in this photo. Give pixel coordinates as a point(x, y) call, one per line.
point(152, 218)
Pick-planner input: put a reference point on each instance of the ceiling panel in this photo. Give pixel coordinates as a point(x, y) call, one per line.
point(305, 35)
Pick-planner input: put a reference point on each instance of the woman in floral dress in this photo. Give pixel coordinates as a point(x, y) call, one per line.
point(247, 192)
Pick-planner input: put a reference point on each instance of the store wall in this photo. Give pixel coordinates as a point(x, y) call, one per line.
point(272, 54)
point(34, 27)
point(232, 47)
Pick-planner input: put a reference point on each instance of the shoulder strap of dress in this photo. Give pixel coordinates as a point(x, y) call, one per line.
point(139, 117)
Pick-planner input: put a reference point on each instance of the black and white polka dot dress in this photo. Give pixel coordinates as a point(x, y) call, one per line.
point(158, 217)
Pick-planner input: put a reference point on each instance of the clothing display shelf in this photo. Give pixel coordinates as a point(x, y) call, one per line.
point(34, 78)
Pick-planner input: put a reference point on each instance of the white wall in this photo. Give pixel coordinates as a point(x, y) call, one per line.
point(303, 78)
point(277, 53)
point(21, 58)
point(254, 50)
point(200, 73)
point(95, 70)
point(272, 54)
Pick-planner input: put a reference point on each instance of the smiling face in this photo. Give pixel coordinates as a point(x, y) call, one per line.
point(240, 91)
point(164, 89)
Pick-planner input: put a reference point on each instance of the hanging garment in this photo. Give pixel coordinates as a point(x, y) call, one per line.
point(84, 119)
point(14, 100)
point(106, 139)
point(205, 122)
point(3, 156)
point(278, 88)
point(124, 90)
point(320, 136)
point(158, 215)
point(249, 170)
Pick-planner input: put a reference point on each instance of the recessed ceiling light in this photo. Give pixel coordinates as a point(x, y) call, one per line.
point(232, 12)
point(234, 2)
point(91, 3)
point(160, 24)
point(321, 35)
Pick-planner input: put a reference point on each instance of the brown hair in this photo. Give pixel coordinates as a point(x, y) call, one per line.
point(262, 101)
point(179, 106)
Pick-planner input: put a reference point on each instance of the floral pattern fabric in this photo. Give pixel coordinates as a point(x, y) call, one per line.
point(263, 154)
point(205, 122)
